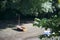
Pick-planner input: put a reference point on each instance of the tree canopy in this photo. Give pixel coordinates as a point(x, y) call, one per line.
point(28, 7)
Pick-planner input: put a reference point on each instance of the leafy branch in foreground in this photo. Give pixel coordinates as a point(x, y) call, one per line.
point(52, 23)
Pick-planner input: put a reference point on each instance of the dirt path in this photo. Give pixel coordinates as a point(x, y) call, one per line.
point(30, 34)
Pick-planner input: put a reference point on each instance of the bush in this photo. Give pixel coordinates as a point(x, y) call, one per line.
point(52, 23)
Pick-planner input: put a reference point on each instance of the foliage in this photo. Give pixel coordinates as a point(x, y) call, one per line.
point(52, 19)
point(47, 7)
point(52, 23)
point(40, 22)
point(25, 7)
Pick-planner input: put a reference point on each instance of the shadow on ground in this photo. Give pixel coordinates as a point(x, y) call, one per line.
point(18, 30)
point(12, 23)
point(5, 24)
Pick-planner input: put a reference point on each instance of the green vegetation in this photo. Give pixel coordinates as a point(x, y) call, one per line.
point(27, 8)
